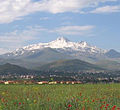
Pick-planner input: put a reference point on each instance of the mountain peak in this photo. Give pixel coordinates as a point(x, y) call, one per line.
point(62, 39)
point(84, 43)
point(113, 54)
point(112, 50)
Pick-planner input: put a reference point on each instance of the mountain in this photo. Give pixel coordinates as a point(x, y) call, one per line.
point(112, 54)
point(35, 55)
point(31, 60)
point(61, 65)
point(12, 69)
point(109, 64)
point(69, 65)
point(61, 46)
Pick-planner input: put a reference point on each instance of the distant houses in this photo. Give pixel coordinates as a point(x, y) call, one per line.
point(51, 82)
point(1, 82)
point(9, 82)
point(40, 82)
point(60, 82)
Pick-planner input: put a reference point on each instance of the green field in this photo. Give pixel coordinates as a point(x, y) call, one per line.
point(60, 97)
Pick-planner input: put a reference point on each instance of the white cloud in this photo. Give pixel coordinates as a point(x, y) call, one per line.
point(60, 6)
point(16, 39)
point(75, 30)
point(11, 10)
point(44, 18)
point(107, 9)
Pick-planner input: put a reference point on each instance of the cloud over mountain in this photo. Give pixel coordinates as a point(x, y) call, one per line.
point(74, 30)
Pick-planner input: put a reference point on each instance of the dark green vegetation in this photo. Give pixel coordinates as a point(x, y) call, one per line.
point(60, 97)
point(109, 65)
point(69, 65)
point(65, 70)
point(9, 69)
point(62, 65)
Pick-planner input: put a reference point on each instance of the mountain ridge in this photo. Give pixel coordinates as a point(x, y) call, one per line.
point(59, 43)
point(74, 65)
point(12, 69)
point(59, 49)
point(113, 53)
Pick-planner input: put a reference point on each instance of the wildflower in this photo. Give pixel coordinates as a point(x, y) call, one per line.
point(102, 106)
point(15, 103)
point(104, 102)
point(69, 105)
point(3, 100)
point(77, 100)
point(35, 101)
point(15, 97)
point(48, 99)
point(19, 103)
point(113, 108)
point(106, 108)
point(93, 100)
point(80, 94)
point(50, 109)
point(3, 93)
point(83, 108)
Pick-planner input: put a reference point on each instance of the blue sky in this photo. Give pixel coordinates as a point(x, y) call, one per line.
point(25, 22)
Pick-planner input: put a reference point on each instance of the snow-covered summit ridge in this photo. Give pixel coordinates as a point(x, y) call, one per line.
point(62, 43)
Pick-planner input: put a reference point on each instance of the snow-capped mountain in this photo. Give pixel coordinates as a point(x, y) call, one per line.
point(61, 45)
point(32, 56)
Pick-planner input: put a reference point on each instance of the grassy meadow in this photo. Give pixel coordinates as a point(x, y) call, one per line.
point(60, 97)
